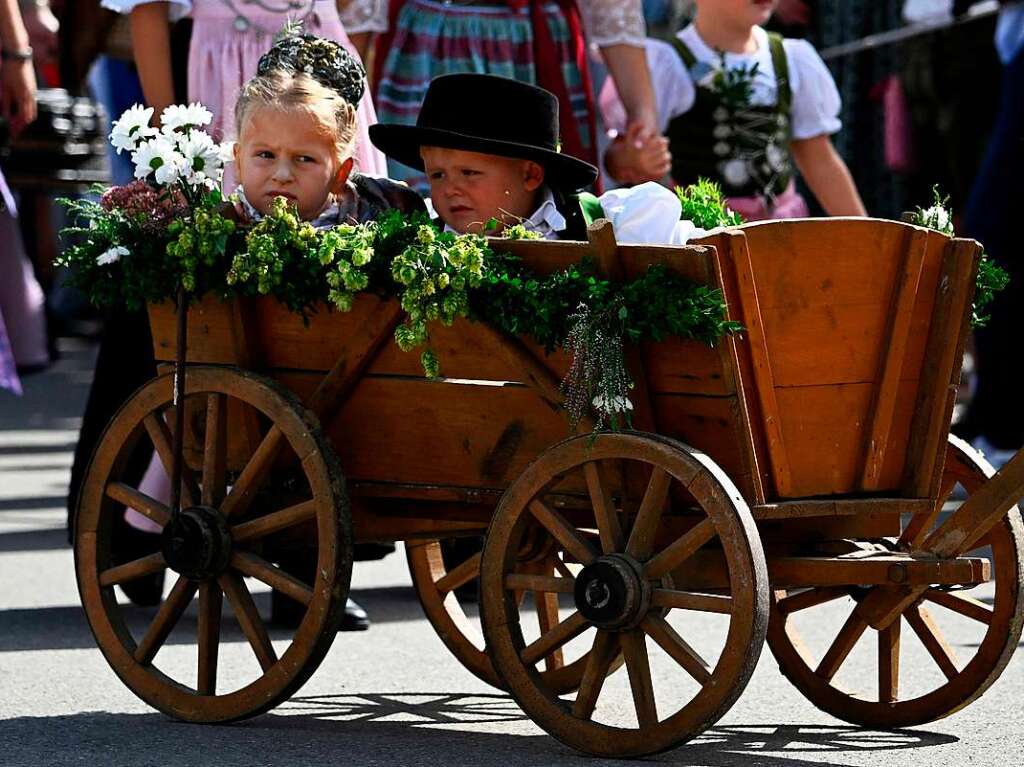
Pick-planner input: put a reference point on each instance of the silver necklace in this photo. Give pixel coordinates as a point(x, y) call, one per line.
point(304, 9)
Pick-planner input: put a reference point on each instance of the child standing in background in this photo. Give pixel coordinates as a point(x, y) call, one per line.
point(228, 38)
point(743, 107)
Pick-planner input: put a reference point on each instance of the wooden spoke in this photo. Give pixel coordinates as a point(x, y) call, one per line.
point(249, 481)
point(934, 642)
point(215, 449)
point(889, 663)
point(249, 619)
point(563, 532)
point(547, 619)
point(166, 619)
point(677, 648)
point(634, 650)
point(680, 550)
point(210, 603)
point(460, 575)
point(685, 600)
point(142, 503)
point(550, 641)
point(541, 583)
point(160, 436)
point(563, 568)
point(961, 603)
point(605, 513)
point(811, 598)
point(602, 653)
point(272, 523)
point(147, 565)
point(256, 567)
point(641, 538)
point(842, 646)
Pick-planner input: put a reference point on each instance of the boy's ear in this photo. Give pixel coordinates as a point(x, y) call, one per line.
point(533, 175)
point(344, 171)
point(235, 152)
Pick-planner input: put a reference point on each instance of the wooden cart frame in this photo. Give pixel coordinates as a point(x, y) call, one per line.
point(803, 462)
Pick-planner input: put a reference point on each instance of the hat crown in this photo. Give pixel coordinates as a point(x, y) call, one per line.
point(491, 107)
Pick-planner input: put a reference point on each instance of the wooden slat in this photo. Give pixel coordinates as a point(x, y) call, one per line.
point(764, 383)
point(979, 513)
point(852, 507)
point(941, 372)
point(900, 316)
point(889, 663)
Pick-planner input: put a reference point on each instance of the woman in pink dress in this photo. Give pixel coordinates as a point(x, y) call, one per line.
point(228, 38)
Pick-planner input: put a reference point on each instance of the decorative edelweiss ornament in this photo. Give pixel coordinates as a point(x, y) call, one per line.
point(775, 156)
point(735, 172)
point(324, 60)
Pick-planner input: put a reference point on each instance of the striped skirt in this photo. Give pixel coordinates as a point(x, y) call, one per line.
point(437, 38)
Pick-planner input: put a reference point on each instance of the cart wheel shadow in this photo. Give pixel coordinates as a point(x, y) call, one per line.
point(416, 730)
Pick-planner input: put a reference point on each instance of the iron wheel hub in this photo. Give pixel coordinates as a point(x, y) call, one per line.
point(611, 593)
point(197, 543)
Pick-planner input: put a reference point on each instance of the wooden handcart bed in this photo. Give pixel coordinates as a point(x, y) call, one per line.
point(789, 471)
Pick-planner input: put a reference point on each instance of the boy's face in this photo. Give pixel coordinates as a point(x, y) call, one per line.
point(470, 188)
point(282, 154)
point(745, 12)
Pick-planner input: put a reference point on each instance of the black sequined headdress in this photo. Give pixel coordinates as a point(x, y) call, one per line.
point(325, 61)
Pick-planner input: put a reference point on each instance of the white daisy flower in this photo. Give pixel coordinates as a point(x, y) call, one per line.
point(132, 128)
point(159, 157)
point(176, 116)
point(202, 156)
point(111, 255)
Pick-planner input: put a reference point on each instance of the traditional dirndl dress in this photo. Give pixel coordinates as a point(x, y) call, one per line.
point(228, 38)
point(504, 38)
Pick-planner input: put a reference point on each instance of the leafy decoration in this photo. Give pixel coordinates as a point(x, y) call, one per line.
point(991, 277)
point(704, 205)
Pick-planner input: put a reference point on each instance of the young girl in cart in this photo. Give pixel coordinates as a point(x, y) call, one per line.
point(743, 107)
point(296, 126)
point(499, 166)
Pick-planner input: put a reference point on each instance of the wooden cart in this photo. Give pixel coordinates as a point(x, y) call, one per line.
point(787, 472)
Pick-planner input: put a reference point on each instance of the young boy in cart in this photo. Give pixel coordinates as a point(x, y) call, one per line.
point(502, 162)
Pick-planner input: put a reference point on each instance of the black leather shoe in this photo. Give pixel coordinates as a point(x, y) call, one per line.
point(355, 618)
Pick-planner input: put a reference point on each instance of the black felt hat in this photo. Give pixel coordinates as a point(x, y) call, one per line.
point(488, 114)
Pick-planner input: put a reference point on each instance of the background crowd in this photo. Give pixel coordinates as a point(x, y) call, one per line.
point(906, 94)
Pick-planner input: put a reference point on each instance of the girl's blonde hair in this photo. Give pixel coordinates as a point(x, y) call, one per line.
point(298, 92)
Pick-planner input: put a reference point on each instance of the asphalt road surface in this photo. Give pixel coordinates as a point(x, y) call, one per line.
point(392, 695)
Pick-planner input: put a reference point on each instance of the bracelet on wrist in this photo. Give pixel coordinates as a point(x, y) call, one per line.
point(24, 54)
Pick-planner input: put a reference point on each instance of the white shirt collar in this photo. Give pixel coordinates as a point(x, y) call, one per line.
point(704, 52)
point(546, 220)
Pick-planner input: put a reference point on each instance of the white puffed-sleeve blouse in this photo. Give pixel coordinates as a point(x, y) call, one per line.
point(815, 99)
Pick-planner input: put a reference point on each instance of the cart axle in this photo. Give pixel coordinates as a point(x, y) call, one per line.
point(197, 543)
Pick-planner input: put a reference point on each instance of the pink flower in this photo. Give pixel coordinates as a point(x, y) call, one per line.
point(153, 208)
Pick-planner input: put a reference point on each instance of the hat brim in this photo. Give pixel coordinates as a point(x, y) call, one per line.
point(403, 142)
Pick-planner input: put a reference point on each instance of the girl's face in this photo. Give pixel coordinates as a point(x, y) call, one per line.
point(468, 188)
point(741, 12)
point(282, 154)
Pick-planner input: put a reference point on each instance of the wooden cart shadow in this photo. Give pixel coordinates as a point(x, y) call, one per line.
point(411, 729)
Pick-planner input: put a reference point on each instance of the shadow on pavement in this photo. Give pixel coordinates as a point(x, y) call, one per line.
point(437, 731)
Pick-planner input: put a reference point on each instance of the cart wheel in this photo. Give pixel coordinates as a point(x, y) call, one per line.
point(435, 586)
point(621, 590)
point(942, 681)
point(228, 531)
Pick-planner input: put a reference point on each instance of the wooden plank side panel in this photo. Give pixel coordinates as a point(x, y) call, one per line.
point(894, 348)
point(941, 373)
point(829, 424)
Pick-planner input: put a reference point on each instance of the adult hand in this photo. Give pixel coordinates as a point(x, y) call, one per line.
point(17, 93)
point(793, 12)
point(633, 158)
